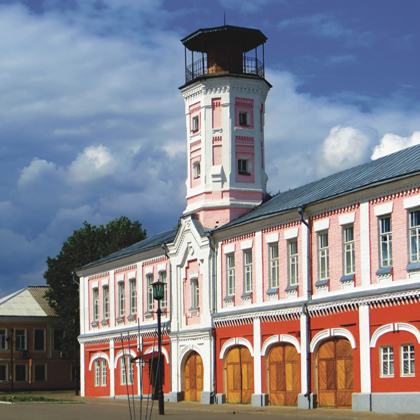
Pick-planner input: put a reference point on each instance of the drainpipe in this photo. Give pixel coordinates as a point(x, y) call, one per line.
point(301, 211)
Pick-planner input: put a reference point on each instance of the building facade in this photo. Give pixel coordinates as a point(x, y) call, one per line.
point(305, 299)
point(30, 348)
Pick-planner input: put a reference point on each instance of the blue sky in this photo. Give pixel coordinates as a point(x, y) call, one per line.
point(92, 122)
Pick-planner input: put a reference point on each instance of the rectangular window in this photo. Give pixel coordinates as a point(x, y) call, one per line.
point(195, 126)
point(196, 170)
point(414, 236)
point(385, 239)
point(95, 304)
point(348, 248)
point(244, 118)
point(121, 299)
point(133, 297)
point(230, 274)
point(387, 360)
point(164, 301)
point(3, 336)
point(105, 297)
point(39, 339)
point(3, 373)
point(248, 271)
point(323, 256)
point(58, 339)
point(126, 366)
point(407, 360)
point(20, 340)
point(274, 265)
point(195, 294)
point(40, 373)
point(20, 373)
point(150, 301)
point(97, 372)
point(293, 262)
point(244, 166)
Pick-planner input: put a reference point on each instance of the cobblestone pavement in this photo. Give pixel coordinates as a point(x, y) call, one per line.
point(118, 409)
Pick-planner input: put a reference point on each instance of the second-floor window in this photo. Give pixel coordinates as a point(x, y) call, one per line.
point(323, 257)
point(164, 301)
point(3, 336)
point(95, 303)
point(195, 294)
point(39, 339)
point(20, 339)
point(121, 299)
point(385, 241)
point(230, 274)
point(248, 271)
point(274, 265)
point(293, 262)
point(150, 302)
point(244, 166)
point(414, 236)
point(348, 250)
point(133, 297)
point(196, 170)
point(105, 294)
point(195, 124)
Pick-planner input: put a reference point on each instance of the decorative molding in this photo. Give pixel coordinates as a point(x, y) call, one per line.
point(321, 225)
point(273, 237)
point(98, 356)
point(346, 219)
point(128, 268)
point(333, 332)
point(239, 238)
point(246, 244)
point(412, 202)
point(238, 341)
point(282, 338)
point(384, 209)
point(98, 276)
point(156, 349)
point(291, 233)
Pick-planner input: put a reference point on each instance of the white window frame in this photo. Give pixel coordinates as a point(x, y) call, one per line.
point(385, 242)
point(3, 339)
point(195, 293)
point(103, 372)
point(323, 256)
point(196, 169)
point(105, 298)
point(230, 274)
point(414, 235)
point(45, 372)
point(100, 372)
point(125, 361)
point(407, 355)
point(348, 250)
point(195, 123)
point(95, 304)
point(150, 300)
point(244, 166)
point(43, 341)
point(121, 299)
point(247, 260)
point(25, 344)
point(133, 296)
point(273, 264)
point(293, 266)
point(386, 360)
point(163, 279)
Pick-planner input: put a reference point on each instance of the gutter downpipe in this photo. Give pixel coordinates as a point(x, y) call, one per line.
point(301, 211)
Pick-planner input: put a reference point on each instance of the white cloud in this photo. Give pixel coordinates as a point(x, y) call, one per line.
point(391, 143)
point(38, 168)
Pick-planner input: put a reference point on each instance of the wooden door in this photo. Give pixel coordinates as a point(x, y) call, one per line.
point(239, 376)
point(283, 375)
point(335, 374)
point(193, 377)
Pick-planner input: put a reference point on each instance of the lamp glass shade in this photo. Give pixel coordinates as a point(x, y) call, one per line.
point(158, 290)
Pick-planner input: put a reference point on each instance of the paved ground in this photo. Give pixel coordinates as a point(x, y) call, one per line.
point(117, 409)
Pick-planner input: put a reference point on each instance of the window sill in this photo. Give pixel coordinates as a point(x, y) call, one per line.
point(384, 270)
point(148, 315)
point(273, 291)
point(413, 266)
point(131, 318)
point(104, 323)
point(120, 320)
point(227, 298)
point(291, 287)
point(194, 311)
point(347, 277)
point(247, 294)
point(321, 283)
point(94, 324)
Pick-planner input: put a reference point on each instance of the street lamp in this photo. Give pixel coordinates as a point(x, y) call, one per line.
point(158, 294)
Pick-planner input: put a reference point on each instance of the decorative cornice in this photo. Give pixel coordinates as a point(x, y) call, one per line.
point(282, 226)
point(239, 238)
point(155, 261)
point(100, 275)
point(127, 268)
point(394, 195)
point(336, 211)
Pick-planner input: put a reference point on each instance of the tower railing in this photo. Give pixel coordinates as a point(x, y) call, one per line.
point(251, 65)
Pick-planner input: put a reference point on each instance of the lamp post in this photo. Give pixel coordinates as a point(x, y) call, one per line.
point(158, 293)
point(11, 342)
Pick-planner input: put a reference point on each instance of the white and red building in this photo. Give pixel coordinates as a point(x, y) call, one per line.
point(308, 299)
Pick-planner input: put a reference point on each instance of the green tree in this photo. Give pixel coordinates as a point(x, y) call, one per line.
point(86, 245)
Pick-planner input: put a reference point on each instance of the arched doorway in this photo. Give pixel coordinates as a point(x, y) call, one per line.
point(283, 375)
point(239, 375)
point(335, 373)
point(193, 375)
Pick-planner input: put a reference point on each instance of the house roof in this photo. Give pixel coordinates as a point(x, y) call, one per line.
point(152, 242)
point(389, 168)
point(26, 302)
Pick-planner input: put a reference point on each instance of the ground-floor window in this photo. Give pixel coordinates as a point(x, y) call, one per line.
point(40, 373)
point(3, 373)
point(407, 360)
point(387, 361)
point(100, 372)
point(20, 373)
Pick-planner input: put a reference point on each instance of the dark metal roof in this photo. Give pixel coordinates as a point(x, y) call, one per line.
point(152, 242)
point(389, 168)
point(202, 39)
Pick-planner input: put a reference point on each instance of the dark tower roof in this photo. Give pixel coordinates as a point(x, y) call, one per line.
point(204, 39)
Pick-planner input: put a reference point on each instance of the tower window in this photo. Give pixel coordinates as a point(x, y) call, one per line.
point(244, 166)
point(244, 118)
point(194, 124)
point(196, 170)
